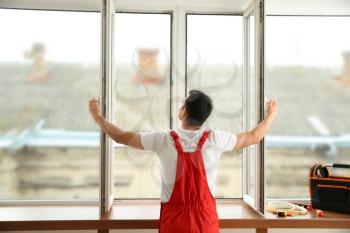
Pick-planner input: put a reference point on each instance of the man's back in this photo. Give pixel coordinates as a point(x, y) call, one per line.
point(163, 145)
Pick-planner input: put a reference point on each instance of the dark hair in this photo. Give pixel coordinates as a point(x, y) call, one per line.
point(198, 107)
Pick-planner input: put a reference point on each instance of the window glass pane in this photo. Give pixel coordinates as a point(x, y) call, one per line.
point(141, 96)
point(214, 65)
point(49, 68)
point(308, 72)
point(252, 121)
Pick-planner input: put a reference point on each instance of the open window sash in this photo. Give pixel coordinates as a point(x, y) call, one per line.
point(253, 156)
point(107, 70)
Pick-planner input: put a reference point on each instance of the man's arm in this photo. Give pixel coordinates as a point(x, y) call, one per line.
point(255, 135)
point(132, 139)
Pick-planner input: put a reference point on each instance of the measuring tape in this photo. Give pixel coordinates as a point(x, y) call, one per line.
point(290, 209)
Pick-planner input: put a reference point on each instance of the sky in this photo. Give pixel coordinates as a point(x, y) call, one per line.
point(68, 36)
point(142, 30)
point(75, 37)
point(315, 41)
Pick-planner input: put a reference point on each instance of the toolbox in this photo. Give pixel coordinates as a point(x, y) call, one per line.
point(329, 191)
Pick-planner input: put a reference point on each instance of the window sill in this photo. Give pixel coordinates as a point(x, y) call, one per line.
point(144, 215)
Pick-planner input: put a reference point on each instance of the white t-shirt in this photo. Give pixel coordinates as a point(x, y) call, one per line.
point(163, 145)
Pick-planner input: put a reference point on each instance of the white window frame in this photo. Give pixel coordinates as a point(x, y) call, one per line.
point(106, 196)
point(257, 201)
point(172, 87)
point(217, 12)
point(178, 72)
point(319, 13)
point(34, 5)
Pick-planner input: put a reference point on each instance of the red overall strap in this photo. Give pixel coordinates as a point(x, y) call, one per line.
point(177, 141)
point(202, 140)
point(199, 145)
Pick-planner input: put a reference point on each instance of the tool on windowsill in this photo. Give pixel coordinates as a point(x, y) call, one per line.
point(320, 213)
point(308, 207)
point(284, 209)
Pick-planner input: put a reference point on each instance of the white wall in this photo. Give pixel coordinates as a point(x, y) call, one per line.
point(94, 5)
point(331, 7)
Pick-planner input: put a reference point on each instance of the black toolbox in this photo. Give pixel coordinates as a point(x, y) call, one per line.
point(328, 191)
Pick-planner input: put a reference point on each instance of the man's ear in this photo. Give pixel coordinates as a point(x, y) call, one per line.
point(181, 113)
point(184, 113)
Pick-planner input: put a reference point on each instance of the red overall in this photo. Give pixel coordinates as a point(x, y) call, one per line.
point(192, 207)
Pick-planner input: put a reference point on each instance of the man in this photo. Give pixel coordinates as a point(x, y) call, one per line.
point(189, 159)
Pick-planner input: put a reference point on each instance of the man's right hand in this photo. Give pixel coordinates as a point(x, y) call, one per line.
point(94, 108)
point(272, 109)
